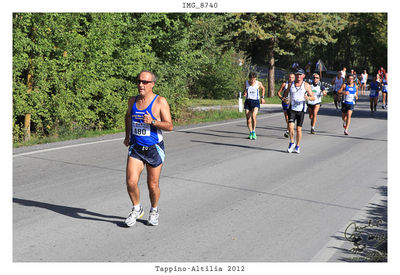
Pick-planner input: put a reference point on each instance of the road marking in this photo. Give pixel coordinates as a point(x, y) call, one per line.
point(65, 147)
point(117, 139)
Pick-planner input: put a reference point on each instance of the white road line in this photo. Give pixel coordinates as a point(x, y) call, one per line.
point(65, 147)
point(117, 139)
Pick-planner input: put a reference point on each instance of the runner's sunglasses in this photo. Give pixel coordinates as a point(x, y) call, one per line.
point(145, 82)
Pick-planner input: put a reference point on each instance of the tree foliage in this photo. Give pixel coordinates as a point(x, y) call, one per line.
point(84, 65)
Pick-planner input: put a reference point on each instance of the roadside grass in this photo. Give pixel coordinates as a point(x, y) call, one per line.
point(188, 116)
point(195, 117)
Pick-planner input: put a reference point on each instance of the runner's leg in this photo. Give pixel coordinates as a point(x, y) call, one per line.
point(249, 119)
point(348, 118)
point(134, 168)
point(254, 118)
point(315, 113)
point(153, 177)
point(291, 131)
point(299, 135)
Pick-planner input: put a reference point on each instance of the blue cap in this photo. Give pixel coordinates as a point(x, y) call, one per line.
point(299, 71)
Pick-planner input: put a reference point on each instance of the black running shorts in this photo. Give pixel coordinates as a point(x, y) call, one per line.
point(297, 116)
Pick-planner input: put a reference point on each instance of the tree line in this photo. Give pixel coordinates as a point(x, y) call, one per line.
point(76, 70)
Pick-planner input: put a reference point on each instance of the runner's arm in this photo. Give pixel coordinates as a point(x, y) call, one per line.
point(309, 94)
point(262, 91)
point(281, 90)
point(286, 93)
point(245, 90)
point(128, 122)
point(340, 92)
point(323, 90)
point(356, 92)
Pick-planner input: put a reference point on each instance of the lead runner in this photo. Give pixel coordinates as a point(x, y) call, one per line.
point(146, 116)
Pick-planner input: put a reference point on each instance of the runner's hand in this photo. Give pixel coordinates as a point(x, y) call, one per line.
point(262, 101)
point(126, 141)
point(147, 118)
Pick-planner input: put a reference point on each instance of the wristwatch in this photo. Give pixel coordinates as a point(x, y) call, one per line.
point(153, 122)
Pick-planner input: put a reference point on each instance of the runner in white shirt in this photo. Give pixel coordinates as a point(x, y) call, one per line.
point(313, 105)
point(252, 103)
point(363, 80)
point(299, 91)
point(337, 83)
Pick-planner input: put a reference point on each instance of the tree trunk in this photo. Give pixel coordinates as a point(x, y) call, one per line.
point(271, 68)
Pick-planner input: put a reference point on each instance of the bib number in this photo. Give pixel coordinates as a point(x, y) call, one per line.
point(140, 129)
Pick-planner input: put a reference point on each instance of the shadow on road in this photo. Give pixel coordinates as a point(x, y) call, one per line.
point(239, 146)
point(73, 212)
point(368, 237)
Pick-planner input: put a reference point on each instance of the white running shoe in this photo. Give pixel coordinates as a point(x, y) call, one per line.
point(153, 218)
point(297, 149)
point(291, 147)
point(131, 220)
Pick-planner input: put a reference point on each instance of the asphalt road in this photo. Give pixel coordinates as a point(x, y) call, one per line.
point(224, 198)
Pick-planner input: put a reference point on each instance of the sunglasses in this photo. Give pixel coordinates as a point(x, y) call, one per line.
point(316, 77)
point(145, 82)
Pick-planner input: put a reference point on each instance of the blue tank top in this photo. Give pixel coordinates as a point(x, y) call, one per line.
point(384, 87)
point(374, 85)
point(350, 98)
point(144, 134)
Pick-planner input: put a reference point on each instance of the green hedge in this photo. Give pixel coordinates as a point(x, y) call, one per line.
point(84, 66)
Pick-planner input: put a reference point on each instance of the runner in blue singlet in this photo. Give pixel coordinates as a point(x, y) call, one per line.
point(375, 86)
point(384, 91)
point(146, 116)
point(349, 91)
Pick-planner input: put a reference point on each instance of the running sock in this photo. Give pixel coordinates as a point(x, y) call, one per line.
point(154, 209)
point(136, 207)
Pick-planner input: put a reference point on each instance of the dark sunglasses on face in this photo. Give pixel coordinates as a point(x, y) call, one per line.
point(145, 82)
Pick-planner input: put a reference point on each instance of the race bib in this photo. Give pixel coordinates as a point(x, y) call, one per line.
point(372, 93)
point(140, 129)
point(252, 93)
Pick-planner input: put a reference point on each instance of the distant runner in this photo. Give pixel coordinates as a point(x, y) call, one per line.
point(363, 81)
point(285, 106)
point(350, 95)
point(375, 86)
point(252, 103)
point(343, 72)
point(337, 83)
point(384, 92)
point(313, 105)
